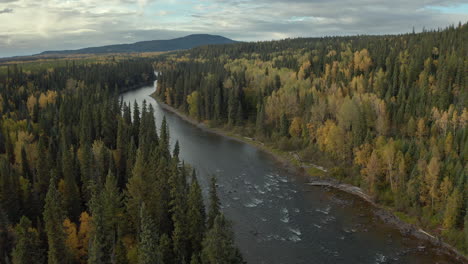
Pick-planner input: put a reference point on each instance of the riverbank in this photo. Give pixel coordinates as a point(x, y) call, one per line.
point(293, 162)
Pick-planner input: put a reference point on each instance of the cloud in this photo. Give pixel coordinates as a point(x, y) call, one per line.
point(57, 24)
point(6, 11)
point(162, 13)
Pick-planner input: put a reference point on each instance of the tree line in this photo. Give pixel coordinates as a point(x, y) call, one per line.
point(390, 109)
point(87, 178)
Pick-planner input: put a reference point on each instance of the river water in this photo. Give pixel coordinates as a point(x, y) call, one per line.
point(277, 217)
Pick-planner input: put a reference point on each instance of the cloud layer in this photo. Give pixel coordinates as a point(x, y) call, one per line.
point(29, 26)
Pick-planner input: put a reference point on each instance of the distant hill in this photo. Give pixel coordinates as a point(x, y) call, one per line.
point(186, 42)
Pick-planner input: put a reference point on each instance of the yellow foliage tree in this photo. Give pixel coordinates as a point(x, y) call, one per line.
point(362, 60)
point(84, 235)
point(71, 242)
point(331, 139)
point(421, 130)
point(295, 129)
point(362, 154)
point(432, 178)
point(31, 103)
point(303, 69)
point(25, 140)
point(372, 171)
point(193, 100)
point(48, 98)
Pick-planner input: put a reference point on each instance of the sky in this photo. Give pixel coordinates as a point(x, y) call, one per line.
point(31, 26)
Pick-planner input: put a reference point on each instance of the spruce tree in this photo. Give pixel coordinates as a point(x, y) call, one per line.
point(148, 239)
point(214, 203)
point(218, 245)
point(136, 122)
point(71, 195)
point(54, 215)
point(260, 122)
point(179, 218)
point(176, 151)
point(28, 245)
point(166, 255)
point(195, 216)
point(98, 248)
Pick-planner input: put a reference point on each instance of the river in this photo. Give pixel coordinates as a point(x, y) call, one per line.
point(277, 217)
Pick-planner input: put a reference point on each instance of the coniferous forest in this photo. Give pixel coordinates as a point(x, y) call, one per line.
point(388, 113)
point(85, 178)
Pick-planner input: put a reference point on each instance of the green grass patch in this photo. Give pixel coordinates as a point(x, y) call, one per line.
point(406, 218)
point(314, 172)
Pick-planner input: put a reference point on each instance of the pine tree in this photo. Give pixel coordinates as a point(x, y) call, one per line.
point(6, 236)
point(148, 240)
point(121, 152)
point(284, 126)
point(9, 190)
point(136, 122)
point(179, 218)
point(195, 216)
point(71, 195)
point(137, 188)
point(85, 158)
point(218, 245)
point(164, 136)
point(28, 245)
point(97, 251)
point(112, 201)
point(214, 203)
point(54, 215)
point(25, 168)
point(260, 123)
point(166, 255)
point(106, 209)
point(176, 151)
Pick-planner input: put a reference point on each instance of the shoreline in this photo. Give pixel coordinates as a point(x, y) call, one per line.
point(385, 214)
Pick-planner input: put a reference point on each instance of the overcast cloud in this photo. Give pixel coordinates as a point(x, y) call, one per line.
point(31, 26)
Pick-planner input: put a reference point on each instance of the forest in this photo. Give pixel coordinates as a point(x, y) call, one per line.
point(385, 113)
point(86, 178)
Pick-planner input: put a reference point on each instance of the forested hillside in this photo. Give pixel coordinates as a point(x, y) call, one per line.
point(389, 113)
point(85, 178)
point(186, 42)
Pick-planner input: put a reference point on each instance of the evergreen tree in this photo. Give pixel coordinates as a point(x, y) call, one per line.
point(195, 216)
point(98, 246)
point(260, 123)
point(218, 245)
point(214, 203)
point(28, 245)
point(166, 255)
point(106, 209)
point(164, 136)
point(178, 210)
point(54, 215)
point(176, 151)
point(136, 122)
point(148, 240)
point(71, 195)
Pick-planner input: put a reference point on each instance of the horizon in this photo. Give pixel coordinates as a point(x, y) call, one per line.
point(292, 37)
point(76, 24)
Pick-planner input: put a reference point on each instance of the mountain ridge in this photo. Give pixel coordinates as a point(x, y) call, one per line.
point(186, 42)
